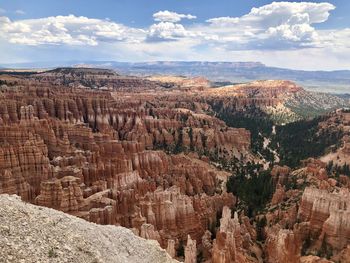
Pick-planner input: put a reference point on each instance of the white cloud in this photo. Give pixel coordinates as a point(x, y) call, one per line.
point(70, 30)
point(167, 31)
point(336, 39)
point(167, 16)
point(168, 28)
point(298, 32)
point(277, 25)
point(277, 34)
point(20, 12)
point(278, 13)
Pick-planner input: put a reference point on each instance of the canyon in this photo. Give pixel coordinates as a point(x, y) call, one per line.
point(149, 154)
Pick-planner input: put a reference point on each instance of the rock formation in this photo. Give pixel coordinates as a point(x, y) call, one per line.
point(147, 154)
point(233, 240)
point(328, 216)
point(283, 246)
point(139, 161)
point(30, 234)
point(190, 251)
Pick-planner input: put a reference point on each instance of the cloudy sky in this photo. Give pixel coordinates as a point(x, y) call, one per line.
point(300, 35)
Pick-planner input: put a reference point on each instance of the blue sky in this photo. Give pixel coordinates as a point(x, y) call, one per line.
point(298, 34)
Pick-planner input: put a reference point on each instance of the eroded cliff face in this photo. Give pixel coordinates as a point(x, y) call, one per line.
point(309, 223)
point(130, 152)
point(116, 158)
point(328, 216)
point(235, 241)
point(307, 218)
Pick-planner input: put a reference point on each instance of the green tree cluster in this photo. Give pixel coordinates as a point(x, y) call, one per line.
point(303, 139)
point(253, 187)
point(256, 121)
point(338, 169)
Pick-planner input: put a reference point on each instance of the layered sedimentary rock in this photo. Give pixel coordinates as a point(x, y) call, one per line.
point(233, 240)
point(283, 245)
point(90, 78)
point(24, 165)
point(280, 174)
point(328, 216)
point(190, 251)
point(126, 151)
point(62, 194)
point(116, 157)
point(278, 196)
point(316, 168)
point(179, 215)
point(307, 221)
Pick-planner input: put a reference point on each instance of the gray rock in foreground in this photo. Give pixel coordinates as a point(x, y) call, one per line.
point(30, 233)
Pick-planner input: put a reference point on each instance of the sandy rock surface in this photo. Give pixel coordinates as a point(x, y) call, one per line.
point(31, 233)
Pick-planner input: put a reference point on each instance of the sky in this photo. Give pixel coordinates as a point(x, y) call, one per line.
point(309, 35)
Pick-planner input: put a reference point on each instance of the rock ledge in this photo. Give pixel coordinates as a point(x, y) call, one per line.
point(30, 233)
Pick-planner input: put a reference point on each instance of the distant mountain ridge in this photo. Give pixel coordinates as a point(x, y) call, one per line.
point(236, 72)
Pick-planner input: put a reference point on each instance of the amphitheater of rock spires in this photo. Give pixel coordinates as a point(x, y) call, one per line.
point(134, 153)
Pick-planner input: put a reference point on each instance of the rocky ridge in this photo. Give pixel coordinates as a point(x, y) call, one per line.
point(31, 233)
point(284, 101)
